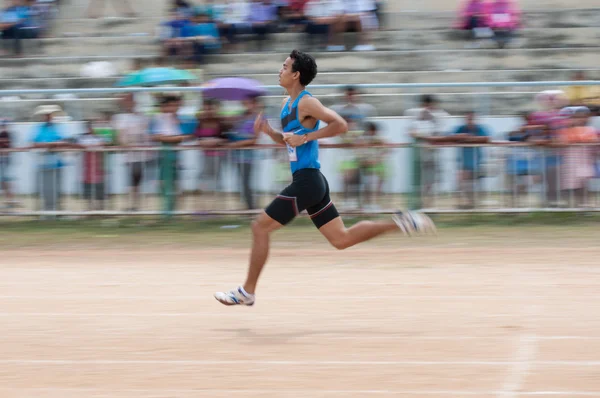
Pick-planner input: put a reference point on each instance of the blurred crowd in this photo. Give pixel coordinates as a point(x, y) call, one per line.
point(550, 161)
point(553, 162)
point(192, 31)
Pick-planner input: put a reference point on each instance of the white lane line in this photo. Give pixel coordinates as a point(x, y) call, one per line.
point(283, 363)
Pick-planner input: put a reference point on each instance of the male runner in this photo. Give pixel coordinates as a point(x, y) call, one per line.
point(309, 189)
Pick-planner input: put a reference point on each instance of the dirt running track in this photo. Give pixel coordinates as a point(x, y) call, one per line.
point(502, 317)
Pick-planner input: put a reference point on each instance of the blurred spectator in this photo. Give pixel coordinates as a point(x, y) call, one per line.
point(471, 158)
point(523, 164)
point(326, 19)
point(183, 7)
point(13, 20)
point(474, 18)
point(371, 166)
point(353, 110)
point(210, 131)
point(355, 114)
point(170, 33)
point(551, 102)
point(166, 130)
point(243, 135)
point(235, 21)
point(263, 15)
point(96, 8)
point(361, 17)
point(132, 131)
point(504, 19)
point(5, 143)
point(588, 96)
point(577, 161)
point(48, 136)
point(294, 13)
point(426, 127)
point(201, 37)
point(93, 167)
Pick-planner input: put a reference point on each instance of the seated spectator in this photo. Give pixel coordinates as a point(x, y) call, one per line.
point(326, 19)
point(361, 17)
point(234, 21)
point(294, 13)
point(201, 37)
point(263, 16)
point(577, 161)
point(588, 96)
point(503, 16)
point(182, 7)
point(12, 21)
point(471, 158)
point(169, 33)
point(93, 167)
point(474, 18)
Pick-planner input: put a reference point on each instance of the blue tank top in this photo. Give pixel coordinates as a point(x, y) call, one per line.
point(304, 156)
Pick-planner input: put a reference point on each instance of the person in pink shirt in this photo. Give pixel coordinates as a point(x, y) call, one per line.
point(472, 16)
point(503, 17)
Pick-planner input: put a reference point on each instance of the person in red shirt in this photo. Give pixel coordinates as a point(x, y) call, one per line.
point(93, 168)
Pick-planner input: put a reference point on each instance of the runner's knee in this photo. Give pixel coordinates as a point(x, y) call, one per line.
point(340, 242)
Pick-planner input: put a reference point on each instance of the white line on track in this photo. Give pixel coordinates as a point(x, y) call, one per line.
point(282, 363)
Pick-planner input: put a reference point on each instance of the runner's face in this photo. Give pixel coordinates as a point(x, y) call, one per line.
point(286, 76)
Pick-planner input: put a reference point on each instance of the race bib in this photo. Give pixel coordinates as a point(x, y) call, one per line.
point(501, 18)
point(292, 154)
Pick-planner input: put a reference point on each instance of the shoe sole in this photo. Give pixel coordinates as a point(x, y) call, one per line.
point(231, 304)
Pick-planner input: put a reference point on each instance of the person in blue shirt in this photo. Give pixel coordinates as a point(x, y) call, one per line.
point(202, 37)
point(471, 157)
point(242, 135)
point(48, 136)
point(301, 115)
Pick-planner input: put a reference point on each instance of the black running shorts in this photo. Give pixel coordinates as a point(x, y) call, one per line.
point(308, 191)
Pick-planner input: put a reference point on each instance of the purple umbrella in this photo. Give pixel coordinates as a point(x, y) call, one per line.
point(232, 88)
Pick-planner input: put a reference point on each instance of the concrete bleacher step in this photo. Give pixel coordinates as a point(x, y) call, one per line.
point(338, 78)
point(40, 67)
point(382, 61)
point(75, 82)
point(99, 27)
point(433, 60)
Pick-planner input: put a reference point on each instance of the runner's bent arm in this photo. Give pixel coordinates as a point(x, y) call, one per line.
point(312, 107)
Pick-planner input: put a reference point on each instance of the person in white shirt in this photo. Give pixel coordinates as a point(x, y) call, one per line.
point(166, 129)
point(361, 17)
point(234, 20)
point(426, 127)
point(326, 18)
point(132, 131)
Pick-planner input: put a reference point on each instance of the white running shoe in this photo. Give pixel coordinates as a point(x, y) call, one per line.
point(412, 222)
point(235, 297)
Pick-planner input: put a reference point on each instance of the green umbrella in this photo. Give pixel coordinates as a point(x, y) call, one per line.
point(156, 76)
